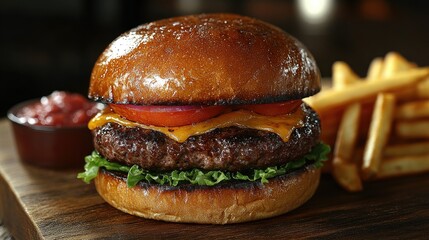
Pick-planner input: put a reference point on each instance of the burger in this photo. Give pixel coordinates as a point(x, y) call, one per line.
point(204, 121)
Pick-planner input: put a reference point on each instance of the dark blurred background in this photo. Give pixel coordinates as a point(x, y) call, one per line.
point(48, 45)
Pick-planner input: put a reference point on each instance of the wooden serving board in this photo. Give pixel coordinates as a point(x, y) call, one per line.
point(38, 203)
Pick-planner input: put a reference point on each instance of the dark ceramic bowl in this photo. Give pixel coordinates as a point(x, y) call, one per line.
point(50, 146)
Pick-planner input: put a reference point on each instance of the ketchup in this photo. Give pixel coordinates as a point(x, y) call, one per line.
point(60, 108)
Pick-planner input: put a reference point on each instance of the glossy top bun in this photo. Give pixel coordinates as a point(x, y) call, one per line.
point(204, 59)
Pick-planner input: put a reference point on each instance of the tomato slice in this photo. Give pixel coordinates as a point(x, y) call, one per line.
point(273, 109)
point(166, 116)
point(175, 116)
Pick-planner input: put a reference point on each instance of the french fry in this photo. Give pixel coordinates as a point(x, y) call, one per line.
point(407, 149)
point(412, 110)
point(342, 75)
point(406, 94)
point(375, 69)
point(394, 63)
point(378, 134)
point(362, 90)
point(348, 132)
point(345, 170)
point(423, 88)
point(347, 175)
point(383, 130)
point(406, 165)
point(413, 129)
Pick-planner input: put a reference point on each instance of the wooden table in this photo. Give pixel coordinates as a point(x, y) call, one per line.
point(37, 203)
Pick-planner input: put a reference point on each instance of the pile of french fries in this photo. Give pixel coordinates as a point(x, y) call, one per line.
point(378, 125)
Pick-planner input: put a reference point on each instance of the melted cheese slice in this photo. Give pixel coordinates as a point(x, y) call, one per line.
point(282, 125)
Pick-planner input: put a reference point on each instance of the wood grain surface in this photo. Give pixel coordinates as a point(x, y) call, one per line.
point(37, 203)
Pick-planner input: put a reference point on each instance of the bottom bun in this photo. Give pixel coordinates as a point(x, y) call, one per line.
point(221, 204)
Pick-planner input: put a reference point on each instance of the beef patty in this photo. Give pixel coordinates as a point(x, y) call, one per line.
point(230, 148)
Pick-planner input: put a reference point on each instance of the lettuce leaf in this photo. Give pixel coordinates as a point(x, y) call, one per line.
point(136, 174)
